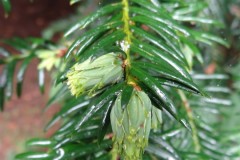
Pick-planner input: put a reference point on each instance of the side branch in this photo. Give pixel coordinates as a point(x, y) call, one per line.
point(188, 109)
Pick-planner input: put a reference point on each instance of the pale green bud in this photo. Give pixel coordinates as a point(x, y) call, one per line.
point(131, 126)
point(49, 58)
point(92, 75)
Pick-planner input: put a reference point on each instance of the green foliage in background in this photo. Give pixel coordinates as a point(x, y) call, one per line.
point(131, 83)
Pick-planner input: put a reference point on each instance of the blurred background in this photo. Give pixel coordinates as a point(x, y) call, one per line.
point(24, 118)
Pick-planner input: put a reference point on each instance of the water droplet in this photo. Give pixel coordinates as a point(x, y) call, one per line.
point(124, 45)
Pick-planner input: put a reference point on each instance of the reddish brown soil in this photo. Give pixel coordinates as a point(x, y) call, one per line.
point(23, 118)
point(28, 19)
